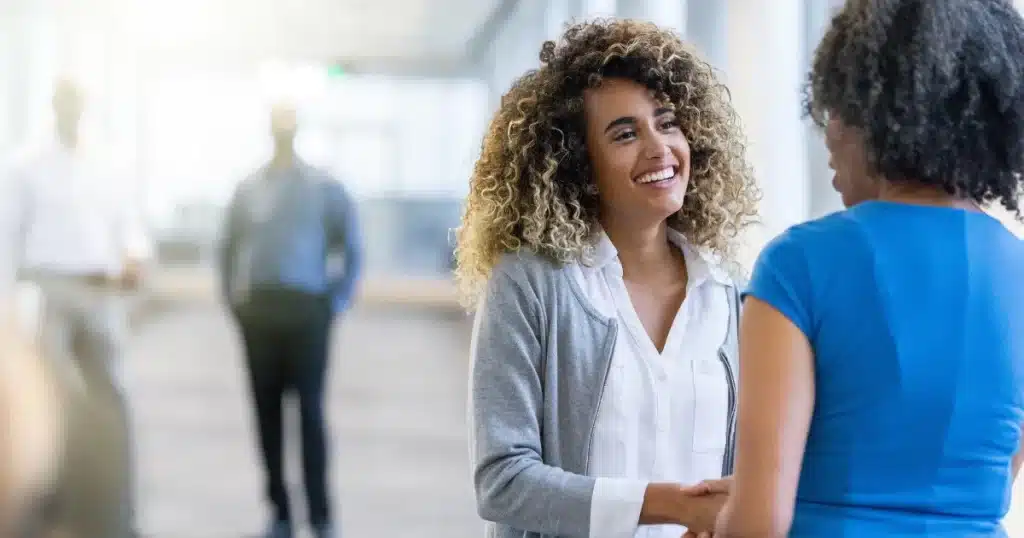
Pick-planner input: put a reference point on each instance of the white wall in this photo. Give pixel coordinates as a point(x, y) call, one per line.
point(764, 66)
point(822, 197)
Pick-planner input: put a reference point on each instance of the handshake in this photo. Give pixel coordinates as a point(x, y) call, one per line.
point(698, 506)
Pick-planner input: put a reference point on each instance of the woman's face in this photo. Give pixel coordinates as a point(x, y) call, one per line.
point(848, 159)
point(639, 155)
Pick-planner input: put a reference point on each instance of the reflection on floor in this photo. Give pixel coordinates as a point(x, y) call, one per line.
point(397, 394)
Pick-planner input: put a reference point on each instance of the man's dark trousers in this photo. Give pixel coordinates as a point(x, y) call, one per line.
point(286, 335)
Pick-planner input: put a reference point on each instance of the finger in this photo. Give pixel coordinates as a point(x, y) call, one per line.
point(720, 485)
point(696, 490)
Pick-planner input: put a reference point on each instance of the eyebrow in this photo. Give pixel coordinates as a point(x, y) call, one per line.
point(630, 120)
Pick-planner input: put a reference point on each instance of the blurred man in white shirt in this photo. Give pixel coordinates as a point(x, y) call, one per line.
point(77, 238)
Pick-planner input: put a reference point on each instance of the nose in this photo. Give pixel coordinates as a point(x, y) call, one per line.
point(656, 147)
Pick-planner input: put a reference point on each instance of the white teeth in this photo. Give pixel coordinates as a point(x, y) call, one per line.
point(657, 176)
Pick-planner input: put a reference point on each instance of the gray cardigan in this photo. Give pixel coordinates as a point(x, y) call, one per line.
point(540, 357)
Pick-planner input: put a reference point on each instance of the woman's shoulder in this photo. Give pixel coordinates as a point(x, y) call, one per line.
point(527, 267)
point(805, 255)
point(824, 228)
point(823, 235)
point(527, 275)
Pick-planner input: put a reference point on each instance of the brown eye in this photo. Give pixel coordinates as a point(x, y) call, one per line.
point(625, 135)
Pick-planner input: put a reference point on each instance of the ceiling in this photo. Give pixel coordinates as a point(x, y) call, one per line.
point(393, 33)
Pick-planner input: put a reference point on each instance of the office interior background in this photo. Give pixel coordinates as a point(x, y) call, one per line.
point(393, 97)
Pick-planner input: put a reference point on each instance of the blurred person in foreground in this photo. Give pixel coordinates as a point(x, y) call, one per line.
point(78, 238)
point(882, 347)
point(596, 243)
point(290, 262)
point(32, 426)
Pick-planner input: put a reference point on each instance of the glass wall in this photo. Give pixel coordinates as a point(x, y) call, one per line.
point(404, 147)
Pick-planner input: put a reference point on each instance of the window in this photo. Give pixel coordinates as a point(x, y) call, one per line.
point(364, 158)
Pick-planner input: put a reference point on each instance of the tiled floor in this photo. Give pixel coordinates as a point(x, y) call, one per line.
point(397, 396)
point(397, 410)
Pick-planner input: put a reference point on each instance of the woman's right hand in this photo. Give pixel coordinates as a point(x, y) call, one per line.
point(720, 488)
point(702, 512)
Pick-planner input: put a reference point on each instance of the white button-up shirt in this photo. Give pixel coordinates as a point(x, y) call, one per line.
point(663, 415)
point(66, 213)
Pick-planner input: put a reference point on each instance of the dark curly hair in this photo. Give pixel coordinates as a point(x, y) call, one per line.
point(935, 86)
point(532, 186)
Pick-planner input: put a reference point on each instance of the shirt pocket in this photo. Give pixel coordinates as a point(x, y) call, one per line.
point(711, 406)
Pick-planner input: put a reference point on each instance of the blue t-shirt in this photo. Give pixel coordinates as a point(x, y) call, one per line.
point(916, 318)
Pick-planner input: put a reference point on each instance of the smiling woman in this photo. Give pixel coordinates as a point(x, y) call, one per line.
point(610, 191)
point(534, 184)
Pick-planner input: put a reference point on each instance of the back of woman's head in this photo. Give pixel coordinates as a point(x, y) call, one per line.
point(936, 89)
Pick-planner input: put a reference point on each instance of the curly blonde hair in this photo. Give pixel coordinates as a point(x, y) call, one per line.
point(532, 186)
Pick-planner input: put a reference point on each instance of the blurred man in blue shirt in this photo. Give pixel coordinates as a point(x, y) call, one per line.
point(289, 264)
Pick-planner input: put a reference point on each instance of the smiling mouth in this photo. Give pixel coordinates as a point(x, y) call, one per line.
point(660, 176)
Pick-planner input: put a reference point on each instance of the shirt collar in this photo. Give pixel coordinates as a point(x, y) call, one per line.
point(699, 266)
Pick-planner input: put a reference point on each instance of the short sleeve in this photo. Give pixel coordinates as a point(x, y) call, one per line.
point(782, 279)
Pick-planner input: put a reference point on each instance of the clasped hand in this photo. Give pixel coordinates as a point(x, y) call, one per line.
point(708, 497)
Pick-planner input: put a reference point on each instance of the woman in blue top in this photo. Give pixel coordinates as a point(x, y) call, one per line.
point(882, 347)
